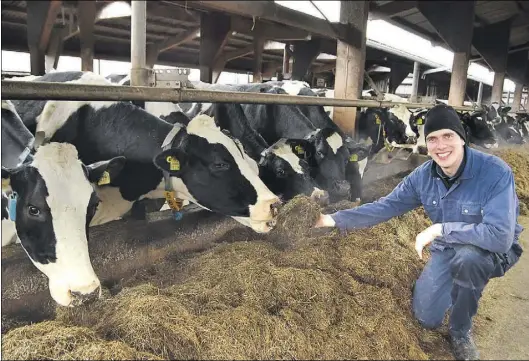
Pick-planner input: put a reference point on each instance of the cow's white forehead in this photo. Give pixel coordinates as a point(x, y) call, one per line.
point(401, 112)
point(204, 126)
point(293, 87)
point(335, 141)
point(56, 113)
point(284, 151)
point(60, 168)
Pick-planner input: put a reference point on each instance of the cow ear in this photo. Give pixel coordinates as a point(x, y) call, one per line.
point(506, 109)
point(302, 148)
point(171, 161)
point(105, 171)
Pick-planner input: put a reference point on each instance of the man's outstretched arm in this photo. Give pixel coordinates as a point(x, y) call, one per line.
point(402, 199)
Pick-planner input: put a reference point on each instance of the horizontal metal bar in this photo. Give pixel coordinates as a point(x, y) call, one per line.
point(34, 90)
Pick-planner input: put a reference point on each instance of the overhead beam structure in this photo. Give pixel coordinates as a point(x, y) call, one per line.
point(398, 73)
point(41, 16)
point(214, 32)
point(492, 43)
point(457, 33)
point(350, 62)
point(517, 66)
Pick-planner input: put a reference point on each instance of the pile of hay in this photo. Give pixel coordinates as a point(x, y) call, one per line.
point(53, 340)
point(331, 296)
point(518, 160)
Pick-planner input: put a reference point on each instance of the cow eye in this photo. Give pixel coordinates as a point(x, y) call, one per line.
point(281, 172)
point(319, 154)
point(33, 211)
point(221, 166)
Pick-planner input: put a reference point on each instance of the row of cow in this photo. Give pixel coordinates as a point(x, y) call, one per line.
point(68, 165)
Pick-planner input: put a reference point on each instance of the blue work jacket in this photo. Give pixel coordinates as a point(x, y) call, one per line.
point(481, 208)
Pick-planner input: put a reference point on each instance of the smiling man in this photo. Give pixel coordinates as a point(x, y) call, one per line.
point(471, 200)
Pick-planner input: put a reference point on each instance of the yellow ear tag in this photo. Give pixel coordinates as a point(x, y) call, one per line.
point(353, 158)
point(377, 119)
point(174, 164)
point(105, 179)
point(172, 201)
point(419, 121)
point(299, 149)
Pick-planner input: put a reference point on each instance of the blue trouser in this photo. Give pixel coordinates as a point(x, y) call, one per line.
point(455, 277)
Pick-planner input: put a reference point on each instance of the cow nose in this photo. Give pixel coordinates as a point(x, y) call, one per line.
point(275, 208)
point(411, 140)
point(341, 188)
point(86, 298)
point(320, 196)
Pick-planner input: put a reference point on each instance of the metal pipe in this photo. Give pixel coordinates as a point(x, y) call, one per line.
point(35, 90)
point(138, 44)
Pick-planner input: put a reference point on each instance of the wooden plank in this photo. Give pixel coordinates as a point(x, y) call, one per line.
point(397, 8)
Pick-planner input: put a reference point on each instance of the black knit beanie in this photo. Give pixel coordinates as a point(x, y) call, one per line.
point(443, 116)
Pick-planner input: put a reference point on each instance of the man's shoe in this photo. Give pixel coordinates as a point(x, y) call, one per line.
point(464, 348)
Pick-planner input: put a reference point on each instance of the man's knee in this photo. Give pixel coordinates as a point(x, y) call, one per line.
point(426, 316)
point(471, 266)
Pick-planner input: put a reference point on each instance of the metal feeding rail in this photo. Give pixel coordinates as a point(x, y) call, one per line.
point(35, 90)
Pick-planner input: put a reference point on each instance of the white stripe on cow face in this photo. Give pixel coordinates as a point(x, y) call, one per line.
point(293, 87)
point(402, 113)
point(362, 164)
point(261, 212)
point(335, 141)
point(56, 113)
point(69, 192)
point(284, 151)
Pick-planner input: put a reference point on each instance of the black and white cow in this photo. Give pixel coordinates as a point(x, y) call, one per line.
point(280, 167)
point(326, 151)
point(510, 130)
point(51, 203)
point(206, 166)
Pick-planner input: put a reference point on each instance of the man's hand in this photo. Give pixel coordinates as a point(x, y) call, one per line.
point(427, 236)
point(325, 221)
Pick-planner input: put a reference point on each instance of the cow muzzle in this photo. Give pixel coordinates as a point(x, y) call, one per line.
point(263, 215)
point(75, 296)
point(340, 188)
point(411, 140)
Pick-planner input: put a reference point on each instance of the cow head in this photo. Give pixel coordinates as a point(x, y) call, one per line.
point(401, 114)
point(218, 175)
point(284, 168)
point(54, 202)
point(479, 131)
point(328, 157)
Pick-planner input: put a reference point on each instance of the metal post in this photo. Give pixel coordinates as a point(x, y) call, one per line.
point(480, 94)
point(415, 81)
point(139, 74)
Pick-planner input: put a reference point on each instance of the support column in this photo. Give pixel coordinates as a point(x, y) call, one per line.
point(305, 52)
point(286, 60)
point(497, 87)
point(215, 29)
point(258, 47)
point(350, 62)
point(480, 94)
point(517, 100)
point(87, 17)
point(415, 82)
point(457, 33)
point(55, 48)
point(40, 18)
point(458, 80)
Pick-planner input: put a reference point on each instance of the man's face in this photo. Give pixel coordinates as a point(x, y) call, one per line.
point(446, 148)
